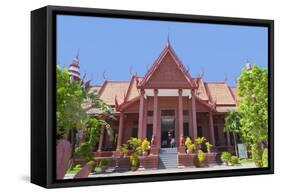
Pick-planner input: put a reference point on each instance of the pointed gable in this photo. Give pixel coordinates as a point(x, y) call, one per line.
point(167, 72)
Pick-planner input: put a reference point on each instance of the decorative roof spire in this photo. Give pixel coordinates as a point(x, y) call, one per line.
point(168, 40)
point(74, 68)
point(248, 65)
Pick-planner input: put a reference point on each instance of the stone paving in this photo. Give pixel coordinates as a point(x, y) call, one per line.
point(112, 173)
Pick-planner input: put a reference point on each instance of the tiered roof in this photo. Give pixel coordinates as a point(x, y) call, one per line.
point(216, 95)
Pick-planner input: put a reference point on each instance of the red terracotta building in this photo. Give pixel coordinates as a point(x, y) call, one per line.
point(166, 102)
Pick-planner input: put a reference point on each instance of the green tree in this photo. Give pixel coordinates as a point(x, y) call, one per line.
point(253, 108)
point(232, 125)
point(69, 98)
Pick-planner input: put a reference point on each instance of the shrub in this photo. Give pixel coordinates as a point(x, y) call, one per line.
point(187, 142)
point(257, 154)
point(199, 141)
point(225, 157)
point(201, 156)
point(265, 158)
point(104, 162)
point(234, 160)
point(145, 145)
point(134, 160)
point(124, 149)
point(209, 146)
point(191, 148)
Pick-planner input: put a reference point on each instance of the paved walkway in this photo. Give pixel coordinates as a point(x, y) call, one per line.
point(111, 172)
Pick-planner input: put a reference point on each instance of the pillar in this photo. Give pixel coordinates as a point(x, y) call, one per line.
point(190, 119)
point(141, 109)
point(212, 131)
point(155, 141)
point(144, 135)
point(120, 130)
point(180, 116)
point(101, 139)
point(181, 147)
point(193, 112)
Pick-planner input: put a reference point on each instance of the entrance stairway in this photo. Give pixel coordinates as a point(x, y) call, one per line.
point(168, 158)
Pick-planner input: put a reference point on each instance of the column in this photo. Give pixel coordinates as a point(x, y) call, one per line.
point(190, 119)
point(141, 108)
point(101, 139)
point(212, 132)
point(144, 135)
point(120, 130)
point(180, 117)
point(193, 112)
point(155, 141)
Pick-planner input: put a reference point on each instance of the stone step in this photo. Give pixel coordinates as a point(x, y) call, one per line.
point(167, 150)
point(168, 158)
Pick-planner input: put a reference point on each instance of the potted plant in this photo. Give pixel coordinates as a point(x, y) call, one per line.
point(104, 165)
point(200, 159)
point(191, 148)
point(145, 147)
point(124, 150)
point(187, 144)
point(199, 141)
point(225, 157)
point(134, 162)
point(209, 146)
point(234, 160)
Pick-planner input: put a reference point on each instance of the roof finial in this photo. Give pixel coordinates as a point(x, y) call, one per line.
point(225, 77)
point(103, 75)
point(168, 39)
point(77, 55)
point(248, 65)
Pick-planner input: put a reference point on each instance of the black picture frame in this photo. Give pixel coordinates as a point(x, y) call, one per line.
point(43, 100)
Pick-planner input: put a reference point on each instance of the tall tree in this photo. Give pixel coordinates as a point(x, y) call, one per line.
point(253, 107)
point(232, 125)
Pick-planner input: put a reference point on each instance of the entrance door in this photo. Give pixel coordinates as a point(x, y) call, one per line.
point(168, 133)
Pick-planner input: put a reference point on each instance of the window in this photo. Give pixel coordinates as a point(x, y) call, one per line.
point(199, 131)
point(134, 132)
point(185, 113)
point(168, 113)
point(149, 113)
point(149, 131)
point(186, 130)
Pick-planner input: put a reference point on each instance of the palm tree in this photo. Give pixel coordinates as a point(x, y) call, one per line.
point(232, 125)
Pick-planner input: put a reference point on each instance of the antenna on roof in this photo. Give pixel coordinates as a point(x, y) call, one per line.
point(103, 75)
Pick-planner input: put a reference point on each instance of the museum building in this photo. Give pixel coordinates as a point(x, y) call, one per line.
point(167, 101)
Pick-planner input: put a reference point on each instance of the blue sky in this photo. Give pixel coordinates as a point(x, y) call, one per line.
point(118, 45)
